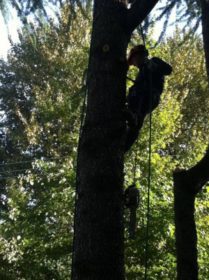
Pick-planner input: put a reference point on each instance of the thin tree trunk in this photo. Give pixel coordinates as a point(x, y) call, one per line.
point(187, 183)
point(186, 236)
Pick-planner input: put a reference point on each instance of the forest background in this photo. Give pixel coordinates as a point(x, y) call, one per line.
point(42, 93)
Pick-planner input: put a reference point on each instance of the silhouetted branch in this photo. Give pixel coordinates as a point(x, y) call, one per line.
point(196, 177)
point(138, 12)
point(187, 183)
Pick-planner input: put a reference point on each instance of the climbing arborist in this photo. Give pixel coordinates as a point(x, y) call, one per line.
point(144, 95)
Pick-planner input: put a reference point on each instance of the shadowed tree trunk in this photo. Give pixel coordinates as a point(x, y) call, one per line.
point(98, 243)
point(187, 183)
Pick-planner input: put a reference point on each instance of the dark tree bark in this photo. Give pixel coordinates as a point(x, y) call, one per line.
point(187, 183)
point(98, 243)
point(186, 186)
point(205, 30)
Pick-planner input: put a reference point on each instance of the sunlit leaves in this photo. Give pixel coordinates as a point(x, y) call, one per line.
point(45, 79)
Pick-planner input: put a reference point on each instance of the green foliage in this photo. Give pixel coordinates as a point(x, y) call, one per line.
point(42, 94)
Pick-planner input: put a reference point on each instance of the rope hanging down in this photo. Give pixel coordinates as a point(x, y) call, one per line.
point(148, 187)
point(149, 169)
point(135, 159)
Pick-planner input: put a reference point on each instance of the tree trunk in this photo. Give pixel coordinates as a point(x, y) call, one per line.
point(99, 237)
point(186, 236)
point(99, 207)
point(187, 183)
point(205, 30)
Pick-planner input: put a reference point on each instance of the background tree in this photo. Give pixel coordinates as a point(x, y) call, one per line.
point(41, 96)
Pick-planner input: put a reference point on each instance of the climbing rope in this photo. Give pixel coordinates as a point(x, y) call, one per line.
point(148, 196)
point(135, 158)
point(149, 168)
point(148, 179)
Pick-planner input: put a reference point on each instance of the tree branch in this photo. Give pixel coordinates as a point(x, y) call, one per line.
point(197, 176)
point(138, 12)
point(187, 183)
